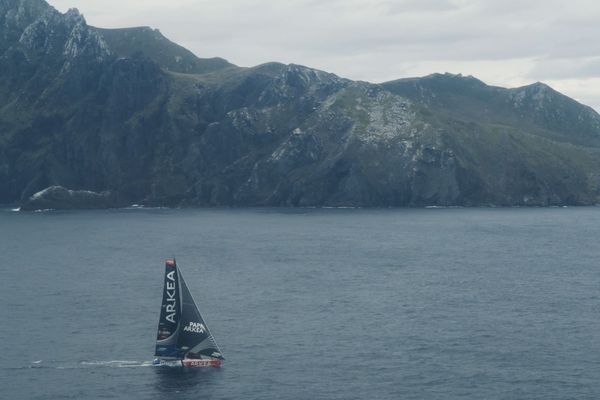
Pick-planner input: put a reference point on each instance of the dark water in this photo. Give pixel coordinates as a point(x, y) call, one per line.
point(306, 304)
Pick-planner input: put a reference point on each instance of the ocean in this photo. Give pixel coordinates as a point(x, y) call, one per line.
point(462, 303)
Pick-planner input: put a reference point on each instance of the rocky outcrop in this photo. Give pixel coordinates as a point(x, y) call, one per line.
point(60, 198)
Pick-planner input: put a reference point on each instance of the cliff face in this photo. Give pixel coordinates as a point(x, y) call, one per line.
point(129, 112)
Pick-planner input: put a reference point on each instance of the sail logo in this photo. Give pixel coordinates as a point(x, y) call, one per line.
point(171, 301)
point(195, 327)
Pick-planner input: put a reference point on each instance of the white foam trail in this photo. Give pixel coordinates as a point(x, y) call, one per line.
point(117, 363)
point(90, 364)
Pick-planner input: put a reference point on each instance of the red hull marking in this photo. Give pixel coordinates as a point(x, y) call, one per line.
point(201, 363)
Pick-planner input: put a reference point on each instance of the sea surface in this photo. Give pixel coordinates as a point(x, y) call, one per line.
point(306, 303)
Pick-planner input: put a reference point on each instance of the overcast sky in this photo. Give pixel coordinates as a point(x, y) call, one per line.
point(507, 43)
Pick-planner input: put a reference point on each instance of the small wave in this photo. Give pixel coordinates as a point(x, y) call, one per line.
point(443, 207)
point(134, 207)
point(11, 209)
point(143, 207)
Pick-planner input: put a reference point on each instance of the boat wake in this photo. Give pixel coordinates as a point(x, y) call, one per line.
point(53, 364)
point(117, 364)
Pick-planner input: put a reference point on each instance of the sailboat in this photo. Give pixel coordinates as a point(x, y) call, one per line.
point(183, 338)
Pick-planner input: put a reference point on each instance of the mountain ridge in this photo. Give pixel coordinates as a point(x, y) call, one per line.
point(129, 112)
point(126, 42)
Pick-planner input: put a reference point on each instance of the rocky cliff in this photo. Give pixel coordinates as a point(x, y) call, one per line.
point(128, 112)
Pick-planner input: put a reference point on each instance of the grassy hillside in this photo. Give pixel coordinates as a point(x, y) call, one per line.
point(129, 42)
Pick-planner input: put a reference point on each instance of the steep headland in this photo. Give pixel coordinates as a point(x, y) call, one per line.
point(129, 112)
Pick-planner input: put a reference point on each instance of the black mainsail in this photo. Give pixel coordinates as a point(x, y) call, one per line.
point(182, 332)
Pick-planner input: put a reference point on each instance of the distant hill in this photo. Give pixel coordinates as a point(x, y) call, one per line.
point(135, 118)
point(537, 108)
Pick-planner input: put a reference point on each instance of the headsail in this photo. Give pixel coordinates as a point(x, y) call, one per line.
point(194, 336)
point(182, 331)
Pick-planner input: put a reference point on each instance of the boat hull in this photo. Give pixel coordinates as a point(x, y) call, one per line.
point(189, 363)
